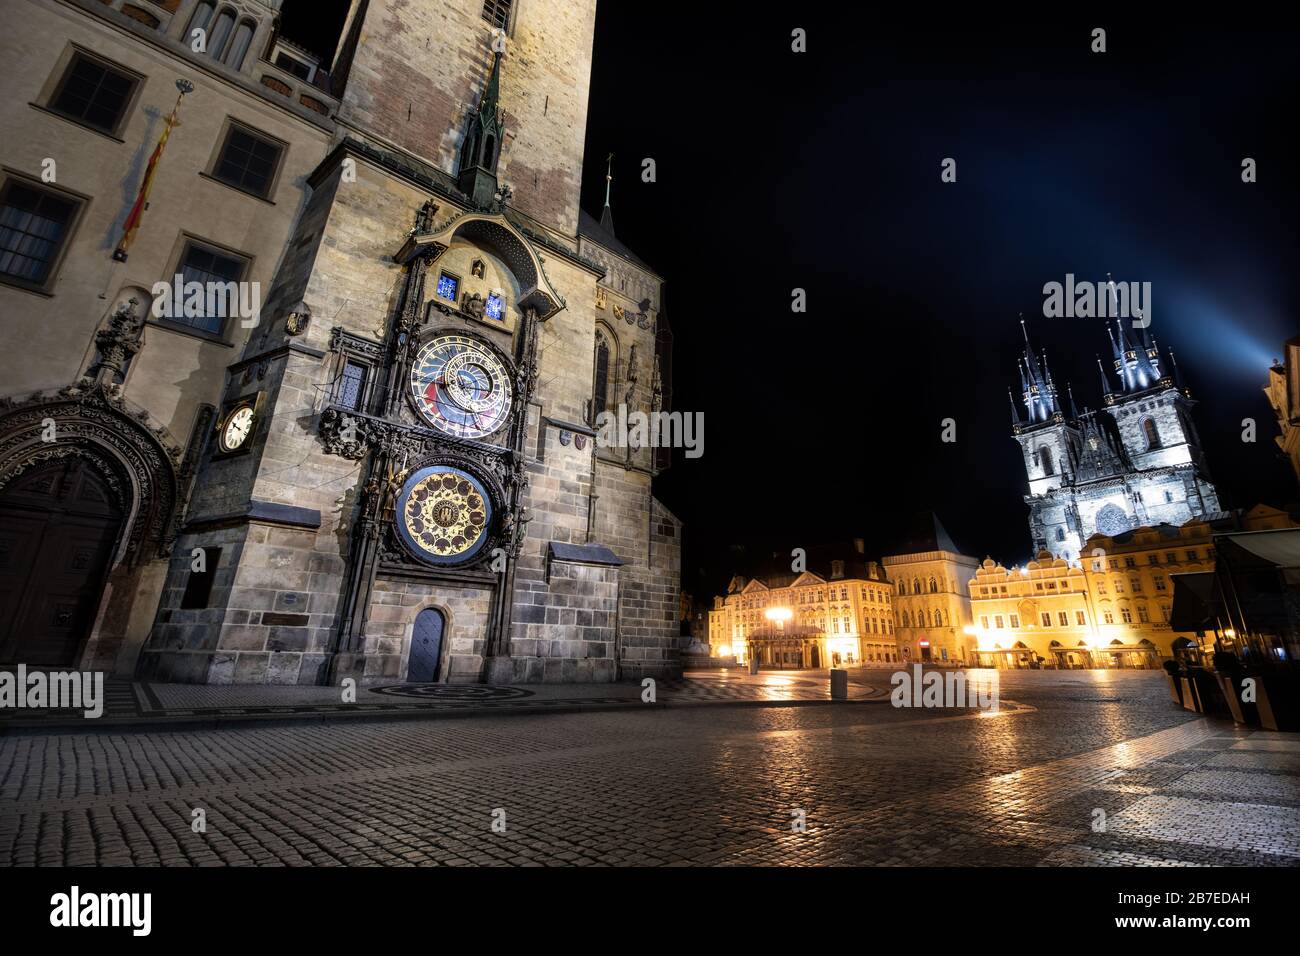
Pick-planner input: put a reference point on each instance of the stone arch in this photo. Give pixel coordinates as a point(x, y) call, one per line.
point(497, 234)
point(139, 462)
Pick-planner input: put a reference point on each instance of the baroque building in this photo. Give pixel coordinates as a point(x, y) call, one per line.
point(841, 616)
point(390, 472)
point(1135, 461)
point(1112, 611)
point(1283, 392)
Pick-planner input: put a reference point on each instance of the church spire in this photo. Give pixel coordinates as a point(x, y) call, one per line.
point(607, 216)
point(1074, 409)
point(481, 151)
point(1016, 423)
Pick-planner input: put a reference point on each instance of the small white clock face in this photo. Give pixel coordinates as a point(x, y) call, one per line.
point(238, 427)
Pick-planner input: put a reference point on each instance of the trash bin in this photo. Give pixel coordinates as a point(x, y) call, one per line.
point(839, 684)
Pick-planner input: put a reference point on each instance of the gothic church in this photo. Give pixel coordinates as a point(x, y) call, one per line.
point(1136, 461)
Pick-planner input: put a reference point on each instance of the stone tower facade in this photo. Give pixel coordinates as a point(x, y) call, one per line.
point(420, 495)
point(1135, 462)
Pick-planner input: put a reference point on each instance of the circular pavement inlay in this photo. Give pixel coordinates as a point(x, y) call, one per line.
point(465, 692)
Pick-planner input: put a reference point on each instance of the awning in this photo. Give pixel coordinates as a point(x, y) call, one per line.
point(1195, 603)
point(1280, 548)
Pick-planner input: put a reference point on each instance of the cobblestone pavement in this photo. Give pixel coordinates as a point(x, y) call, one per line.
point(708, 785)
point(132, 703)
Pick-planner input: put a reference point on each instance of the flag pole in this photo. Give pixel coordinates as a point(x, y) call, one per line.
point(136, 216)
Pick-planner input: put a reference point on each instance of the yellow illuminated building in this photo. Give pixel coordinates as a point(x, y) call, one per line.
point(1113, 611)
point(807, 620)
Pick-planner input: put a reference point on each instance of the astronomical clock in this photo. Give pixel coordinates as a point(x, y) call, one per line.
point(436, 407)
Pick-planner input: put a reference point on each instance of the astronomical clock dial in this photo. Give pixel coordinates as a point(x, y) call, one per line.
point(443, 515)
point(237, 428)
point(460, 387)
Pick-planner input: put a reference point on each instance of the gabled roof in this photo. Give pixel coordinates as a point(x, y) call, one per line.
point(926, 533)
point(589, 228)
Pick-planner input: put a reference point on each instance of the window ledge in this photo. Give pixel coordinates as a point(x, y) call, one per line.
point(238, 189)
point(181, 329)
point(21, 286)
point(75, 122)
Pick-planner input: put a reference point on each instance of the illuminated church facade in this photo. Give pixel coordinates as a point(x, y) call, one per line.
point(1135, 462)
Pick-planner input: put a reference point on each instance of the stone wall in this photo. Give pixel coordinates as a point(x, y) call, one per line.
point(421, 65)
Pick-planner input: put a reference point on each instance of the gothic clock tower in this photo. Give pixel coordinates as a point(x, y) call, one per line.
point(405, 484)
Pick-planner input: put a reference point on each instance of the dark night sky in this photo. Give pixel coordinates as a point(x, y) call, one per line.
point(821, 171)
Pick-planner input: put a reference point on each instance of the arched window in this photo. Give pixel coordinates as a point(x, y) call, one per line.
point(220, 32)
point(600, 380)
point(489, 147)
point(1152, 434)
point(916, 586)
point(239, 48)
point(1060, 534)
point(1045, 461)
point(907, 620)
point(934, 586)
point(199, 21)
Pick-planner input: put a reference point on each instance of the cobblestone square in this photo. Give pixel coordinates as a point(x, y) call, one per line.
point(701, 785)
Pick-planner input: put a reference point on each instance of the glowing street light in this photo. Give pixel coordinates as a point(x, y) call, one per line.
point(778, 615)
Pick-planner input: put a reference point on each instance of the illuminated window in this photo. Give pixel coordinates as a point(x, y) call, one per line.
point(997, 620)
point(1126, 614)
point(448, 287)
point(493, 307)
point(1108, 617)
point(1015, 620)
point(1142, 614)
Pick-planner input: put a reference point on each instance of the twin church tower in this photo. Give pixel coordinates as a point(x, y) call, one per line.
point(1133, 462)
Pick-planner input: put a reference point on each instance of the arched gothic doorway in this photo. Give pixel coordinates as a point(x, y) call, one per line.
point(59, 526)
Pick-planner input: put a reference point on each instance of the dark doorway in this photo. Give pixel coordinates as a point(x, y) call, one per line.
point(816, 658)
point(58, 525)
point(925, 653)
point(426, 648)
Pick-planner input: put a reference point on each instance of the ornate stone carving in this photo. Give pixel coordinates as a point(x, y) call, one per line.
point(118, 341)
point(91, 420)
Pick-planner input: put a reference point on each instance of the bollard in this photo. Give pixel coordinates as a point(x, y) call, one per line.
point(839, 684)
point(753, 665)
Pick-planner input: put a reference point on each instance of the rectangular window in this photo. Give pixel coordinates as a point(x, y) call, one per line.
point(218, 272)
point(247, 161)
point(1047, 618)
point(1142, 615)
point(1171, 557)
point(1137, 585)
point(352, 386)
point(1108, 617)
point(1063, 618)
point(997, 620)
point(1080, 619)
point(1015, 620)
point(984, 622)
point(34, 227)
point(448, 287)
point(93, 93)
point(1126, 614)
point(198, 587)
point(1160, 583)
point(1153, 559)
point(497, 13)
point(1191, 555)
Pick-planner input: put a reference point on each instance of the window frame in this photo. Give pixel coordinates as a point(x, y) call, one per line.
point(223, 142)
point(45, 286)
point(511, 15)
point(184, 242)
point(59, 80)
